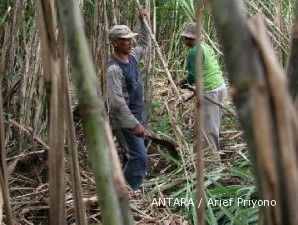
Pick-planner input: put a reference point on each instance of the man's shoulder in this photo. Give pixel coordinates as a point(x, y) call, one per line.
point(207, 48)
point(193, 52)
point(113, 67)
point(133, 54)
point(112, 61)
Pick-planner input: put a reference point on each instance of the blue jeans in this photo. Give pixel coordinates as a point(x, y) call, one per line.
point(137, 159)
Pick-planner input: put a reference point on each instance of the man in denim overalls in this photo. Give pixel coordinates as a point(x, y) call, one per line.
point(126, 98)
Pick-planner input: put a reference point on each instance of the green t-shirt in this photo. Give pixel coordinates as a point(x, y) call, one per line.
point(212, 73)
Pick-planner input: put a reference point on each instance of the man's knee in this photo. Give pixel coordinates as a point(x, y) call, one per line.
point(142, 160)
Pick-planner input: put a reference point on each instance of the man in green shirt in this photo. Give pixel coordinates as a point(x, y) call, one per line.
point(214, 86)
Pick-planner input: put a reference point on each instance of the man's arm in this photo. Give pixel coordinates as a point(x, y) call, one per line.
point(191, 65)
point(191, 70)
point(143, 42)
point(117, 101)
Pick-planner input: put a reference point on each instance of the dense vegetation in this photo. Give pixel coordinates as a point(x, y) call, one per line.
point(26, 112)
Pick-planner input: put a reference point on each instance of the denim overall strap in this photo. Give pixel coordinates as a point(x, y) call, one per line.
point(135, 87)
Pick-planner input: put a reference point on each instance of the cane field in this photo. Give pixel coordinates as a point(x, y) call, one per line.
point(59, 162)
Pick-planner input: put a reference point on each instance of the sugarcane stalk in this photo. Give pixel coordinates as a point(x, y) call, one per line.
point(286, 156)
point(13, 40)
point(92, 108)
point(43, 11)
point(266, 147)
point(149, 78)
point(199, 121)
point(253, 101)
point(279, 21)
point(47, 28)
point(292, 68)
point(81, 218)
point(96, 37)
point(221, 105)
point(3, 168)
point(114, 14)
point(56, 154)
point(119, 181)
point(105, 50)
point(159, 53)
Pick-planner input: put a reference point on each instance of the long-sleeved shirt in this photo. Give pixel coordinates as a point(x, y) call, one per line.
point(120, 113)
point(212, 74)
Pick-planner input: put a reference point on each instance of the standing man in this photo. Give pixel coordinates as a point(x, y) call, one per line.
point(126, 97)
point(213, 82)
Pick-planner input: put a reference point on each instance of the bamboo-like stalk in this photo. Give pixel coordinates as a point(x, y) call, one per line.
point(119, 180)
point(105, 51)
point(149, 70)
point(117, 12)
point(38, 94)
point(241, 63)
point(149, 79)
point(1, 207)
point(81, 218)
point(159, 53)
point(199, 121)
point(266, 151)
point(280, 24)
point(96, 32)
point(47, 28)
point(286, 156)
point(267, 104)
point(252, 99)
point(92, 110)
point(292, 68)
point(13, 40)
point(3, 168)
point(56, 154)
point(4, 51)
point(113, 11)
point(27, 84)
point(45, 38)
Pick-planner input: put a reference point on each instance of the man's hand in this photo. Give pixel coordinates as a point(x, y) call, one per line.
point(183, 84)
point(138, 130)
point(143, 14)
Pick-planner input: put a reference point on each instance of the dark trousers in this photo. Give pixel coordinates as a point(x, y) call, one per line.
point(137, 159)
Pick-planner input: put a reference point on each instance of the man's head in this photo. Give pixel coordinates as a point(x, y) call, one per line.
point(122, 38)
point(190, 34)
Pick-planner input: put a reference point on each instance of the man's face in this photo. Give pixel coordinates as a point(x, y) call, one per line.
point(189, 41)
point(124, 45)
